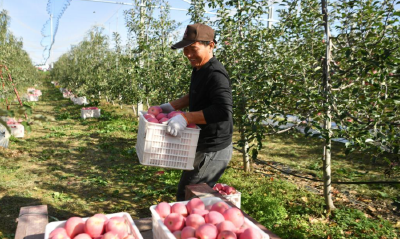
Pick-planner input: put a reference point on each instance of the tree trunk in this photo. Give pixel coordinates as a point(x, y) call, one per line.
point(134, 110)
point(327, 123)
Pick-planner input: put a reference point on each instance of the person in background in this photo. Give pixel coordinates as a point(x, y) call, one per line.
point(210, 107)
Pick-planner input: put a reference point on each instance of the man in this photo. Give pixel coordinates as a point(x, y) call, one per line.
point(210, 107)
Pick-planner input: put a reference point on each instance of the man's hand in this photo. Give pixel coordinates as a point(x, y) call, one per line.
point(176, 125)
point(167, 108)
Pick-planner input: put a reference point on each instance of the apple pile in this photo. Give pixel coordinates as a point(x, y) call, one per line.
point(224, 189)
point(95, 227)
point(198, 221)
point(155, 115)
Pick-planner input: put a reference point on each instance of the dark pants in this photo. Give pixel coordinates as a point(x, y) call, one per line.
point(208, 168)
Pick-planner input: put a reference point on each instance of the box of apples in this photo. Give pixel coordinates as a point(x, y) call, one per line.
point(100, 226)
point(202, 218)
point(229, 193)
point(155, 147)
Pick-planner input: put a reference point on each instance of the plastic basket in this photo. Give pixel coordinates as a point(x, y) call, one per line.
point(233, 198)
point(90, 113)
point(160, 231)
point(53, 225)
point(17, 130)
point(155, 147)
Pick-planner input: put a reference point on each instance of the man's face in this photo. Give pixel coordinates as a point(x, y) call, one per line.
point(198, 54)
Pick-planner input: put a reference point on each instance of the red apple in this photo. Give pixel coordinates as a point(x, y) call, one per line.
point(250, 233)
point(179, 208)
point(188, 232)
point(235, 216)
point(74, 226)
point(220, 207)
point(147, 116)
point(192, 126)
point(110, 235)
point(214, 218)
point(207, 231)
point(117, 224)
point(94, 226)
point(195, 203)
point(228, 235)
point(155, 110)
point(152, 120)
point(83, 236)
point(174, 222)
point(163, 209)
point(163, 120)
point(195, 220)
point(161, 115)
point(59, 233)
point(226, 226)
point(201, 212)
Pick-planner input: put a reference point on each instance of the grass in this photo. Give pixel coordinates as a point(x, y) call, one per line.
point(82, 167)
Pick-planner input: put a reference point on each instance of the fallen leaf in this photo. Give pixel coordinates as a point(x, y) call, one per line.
point(397, 225)
point(304, 199)
point(371, 209)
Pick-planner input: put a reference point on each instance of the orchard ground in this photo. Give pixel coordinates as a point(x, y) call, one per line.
point(82, 167)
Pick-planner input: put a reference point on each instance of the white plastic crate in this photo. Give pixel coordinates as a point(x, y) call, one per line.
point(17, 130)
point(233, 198)
point(155, 147)
point(160, 231)
point(30, 90)
point(33, 97)
point(90, 112)
point(79, 100)
point(53, 225)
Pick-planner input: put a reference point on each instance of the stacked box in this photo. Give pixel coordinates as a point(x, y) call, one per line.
point(155, 147)
point(160, 231)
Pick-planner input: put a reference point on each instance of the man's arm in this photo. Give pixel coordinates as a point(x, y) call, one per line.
point(196, 117)
point(181, 102)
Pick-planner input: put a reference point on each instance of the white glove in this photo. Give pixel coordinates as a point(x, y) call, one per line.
point(176, 125)
point(167, 108)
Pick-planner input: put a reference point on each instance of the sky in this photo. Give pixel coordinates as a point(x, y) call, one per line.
point(29, 16)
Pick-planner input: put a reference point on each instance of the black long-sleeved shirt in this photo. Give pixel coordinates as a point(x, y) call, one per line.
point(210, 91)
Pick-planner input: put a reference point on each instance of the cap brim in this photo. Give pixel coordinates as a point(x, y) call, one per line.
point(182, 44)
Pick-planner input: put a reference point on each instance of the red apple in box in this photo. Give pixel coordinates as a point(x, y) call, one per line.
point(214, 218)
point(154, 110)
point(174, 222)
point(147, 116)
point(111, 235)
point(152, 120)
point(228, 235)
point(163, 209)
point(207, 231)
point(177, 234)
point(250, 232)
point(163, 120)
point(94, 226)
point(218, 186)
point(59, 233)
point(195, 220)
point(188, 232)
point(220, 207)
point(179, 208)
point(74, 226)
point(83, 236)
point(226, 226)
point(192, 126)
point(229, 190)
point(161, 115)
point(235, 216)
point(117, 224)
point(201, 212)
point(195, 203)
